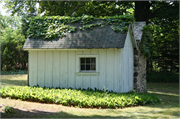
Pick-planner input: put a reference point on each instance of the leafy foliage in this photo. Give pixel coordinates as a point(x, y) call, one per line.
point(8, 109)
point(164, 28)
point(163, 77)
point(11, 42)
point(56, 26)
point(146, 42)
point(80, 98)
point(69, 8)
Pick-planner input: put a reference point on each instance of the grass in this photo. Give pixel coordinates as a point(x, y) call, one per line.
point(168, 92)
point(14, 80)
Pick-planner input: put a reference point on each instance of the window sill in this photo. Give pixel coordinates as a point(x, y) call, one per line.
point(87, 73)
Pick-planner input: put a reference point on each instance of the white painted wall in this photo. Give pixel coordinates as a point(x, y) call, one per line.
point(58, 68)
point(127, 65)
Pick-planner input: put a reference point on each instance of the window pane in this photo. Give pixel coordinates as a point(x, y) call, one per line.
point(87, 60)
point(82, 60)
point(82, 67)
point(87, 67)
point(93, 67)
point(93, 60)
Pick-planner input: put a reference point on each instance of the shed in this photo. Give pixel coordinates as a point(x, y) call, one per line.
point(97, 58)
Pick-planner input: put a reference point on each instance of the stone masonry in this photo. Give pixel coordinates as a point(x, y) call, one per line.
point(139, 71)
point(139, 60)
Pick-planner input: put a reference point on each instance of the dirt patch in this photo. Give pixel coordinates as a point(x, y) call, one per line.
point(32, 110)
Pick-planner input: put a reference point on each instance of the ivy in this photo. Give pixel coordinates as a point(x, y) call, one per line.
point(146, 41)
point(48, 27)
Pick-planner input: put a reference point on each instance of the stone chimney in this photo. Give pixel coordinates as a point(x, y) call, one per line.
point(139, 60)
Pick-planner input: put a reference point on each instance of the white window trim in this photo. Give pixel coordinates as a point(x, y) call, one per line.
point(78, 64)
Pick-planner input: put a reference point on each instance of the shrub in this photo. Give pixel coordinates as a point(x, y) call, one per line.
point(80, 98)
point(8, 109)
point(12, 55)
point(163, 77)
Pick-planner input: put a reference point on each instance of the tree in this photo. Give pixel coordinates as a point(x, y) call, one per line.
point(11, 40)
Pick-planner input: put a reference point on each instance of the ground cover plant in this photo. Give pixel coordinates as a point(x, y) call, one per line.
point(167, 92)
point(80, 98)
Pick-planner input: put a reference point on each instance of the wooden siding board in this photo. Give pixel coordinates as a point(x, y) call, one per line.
point(33, 68)
point(102, 68)
point(63, 71)
point(71, 71)
point(119, 72)
point(78, 77)
point(48, 75)
point(122, 70)
point(109, 63)
point(56, 68)
point(115, 70)
point(41, 68)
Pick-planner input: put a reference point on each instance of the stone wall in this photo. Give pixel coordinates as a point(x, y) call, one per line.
point(139, 72)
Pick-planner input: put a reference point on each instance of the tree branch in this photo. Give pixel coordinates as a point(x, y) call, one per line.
point(77, 8)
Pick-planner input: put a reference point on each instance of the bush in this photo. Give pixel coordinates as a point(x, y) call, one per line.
point(163, 77)
point(12, 55)
point(80, 98)
point(8, 109)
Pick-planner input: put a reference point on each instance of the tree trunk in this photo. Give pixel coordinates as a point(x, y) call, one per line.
point(142, 11)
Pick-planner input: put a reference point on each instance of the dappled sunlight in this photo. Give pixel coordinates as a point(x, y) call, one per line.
point(163, 93)
point(14, 80)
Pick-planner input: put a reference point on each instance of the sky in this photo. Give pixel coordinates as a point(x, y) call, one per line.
point(2, 10)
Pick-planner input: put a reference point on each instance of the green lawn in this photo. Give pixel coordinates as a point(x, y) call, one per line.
point(168, 92)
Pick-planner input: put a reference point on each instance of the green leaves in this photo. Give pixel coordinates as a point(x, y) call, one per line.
point(81, 98)
point(55, 26)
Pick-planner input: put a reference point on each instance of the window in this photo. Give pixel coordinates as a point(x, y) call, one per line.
point(88, 64)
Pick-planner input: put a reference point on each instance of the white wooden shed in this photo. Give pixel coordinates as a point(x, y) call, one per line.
point(98, 58)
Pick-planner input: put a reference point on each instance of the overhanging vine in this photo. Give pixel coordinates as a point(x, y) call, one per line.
point(48, 27)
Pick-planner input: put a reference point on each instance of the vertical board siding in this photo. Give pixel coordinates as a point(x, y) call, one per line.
point(115, 81)
point(110, 67)
point(33, 68)
point(56, 69)
point(48, 74)
point(102, 68)
point(78, 77)
point(127, 66)
point(41, 68)
point(119, 71)
point(71, 69)
point(63, 71)
point(122, 71)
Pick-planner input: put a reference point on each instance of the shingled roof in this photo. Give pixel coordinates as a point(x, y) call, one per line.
point(98, 37)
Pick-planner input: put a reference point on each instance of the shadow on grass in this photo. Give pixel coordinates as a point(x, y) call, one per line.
point(62, 114)
point(42, 114)
point(7, 82)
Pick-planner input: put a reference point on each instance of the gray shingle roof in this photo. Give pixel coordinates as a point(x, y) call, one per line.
point(98, 37)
